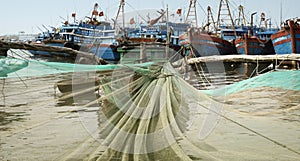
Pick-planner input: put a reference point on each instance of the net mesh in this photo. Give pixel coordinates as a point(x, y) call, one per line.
point(34, 68)
point(287, 79)
point(148, 112)
point(147, 119)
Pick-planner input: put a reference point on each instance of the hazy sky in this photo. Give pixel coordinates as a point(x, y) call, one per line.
point(29, 15)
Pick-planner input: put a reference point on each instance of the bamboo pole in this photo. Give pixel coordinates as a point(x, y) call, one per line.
point(245, 58)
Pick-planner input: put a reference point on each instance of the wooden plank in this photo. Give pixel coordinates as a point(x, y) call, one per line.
point(245, 58)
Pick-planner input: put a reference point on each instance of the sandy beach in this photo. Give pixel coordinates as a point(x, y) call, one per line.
point(33, 126)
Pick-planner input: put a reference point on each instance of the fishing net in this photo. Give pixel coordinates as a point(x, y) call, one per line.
point(35, 68)
point(10, 65)
point(148, 112)
point(287, 79)
point(147, 116)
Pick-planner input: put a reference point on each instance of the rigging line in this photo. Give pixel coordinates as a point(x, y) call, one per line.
point(16, 71)
point(200, 75)
point(205, 76)
point(255, 132)
point(204, 11)
point(177, 53)
point(136, 12)
point(257, 65)
point(282, 61)
point(256, 69)
point(2, 91)
point(233, 4)
point(21, 79)
point(13, 51)
point(207, 81)
point(263, 70)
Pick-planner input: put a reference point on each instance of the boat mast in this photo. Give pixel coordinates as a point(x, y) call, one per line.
point(224, 14)
point(192, 14)
point(210, 20)
point(168, 33)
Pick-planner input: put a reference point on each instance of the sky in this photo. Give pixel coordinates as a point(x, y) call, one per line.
point(31, 15)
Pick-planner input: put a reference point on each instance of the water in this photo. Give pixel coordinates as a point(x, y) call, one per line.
point(33, 126)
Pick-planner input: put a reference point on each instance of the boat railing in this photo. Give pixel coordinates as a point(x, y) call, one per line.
point(86, 36)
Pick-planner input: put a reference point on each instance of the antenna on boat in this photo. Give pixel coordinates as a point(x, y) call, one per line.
point(251, 23)
point(281, 21)
point(224, 14)
point(242, 17)
point(192, 14)
point(168, 33)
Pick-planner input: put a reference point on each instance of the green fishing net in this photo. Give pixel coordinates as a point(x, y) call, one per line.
point(11, 65)
point(286, 79)
point(35, 68)
point(147, 116)
point(149, 112)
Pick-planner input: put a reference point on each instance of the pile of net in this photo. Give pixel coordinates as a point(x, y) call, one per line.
point(147, 115)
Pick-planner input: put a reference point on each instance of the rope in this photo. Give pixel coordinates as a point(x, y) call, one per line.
point(21, 56)
point(2, 91)
point(21, 79)
point(256, 68)
point(203, 74)
point(255, 132)
point(283, 59)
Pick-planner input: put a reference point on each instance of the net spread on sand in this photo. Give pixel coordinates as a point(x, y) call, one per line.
point(148, 111)
point(287, 79)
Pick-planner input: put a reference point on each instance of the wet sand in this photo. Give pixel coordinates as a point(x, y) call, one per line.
point(34, 127)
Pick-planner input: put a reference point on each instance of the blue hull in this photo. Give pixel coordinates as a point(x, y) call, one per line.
point(287, 40)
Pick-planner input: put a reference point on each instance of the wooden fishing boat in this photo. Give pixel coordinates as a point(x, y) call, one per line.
point(89, 35)
point(97, 38)
point(287, 40)
point(70, 85)
point(204, 44)
point(253, 46)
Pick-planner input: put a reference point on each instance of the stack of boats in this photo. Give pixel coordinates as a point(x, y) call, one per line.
point(112, 43)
